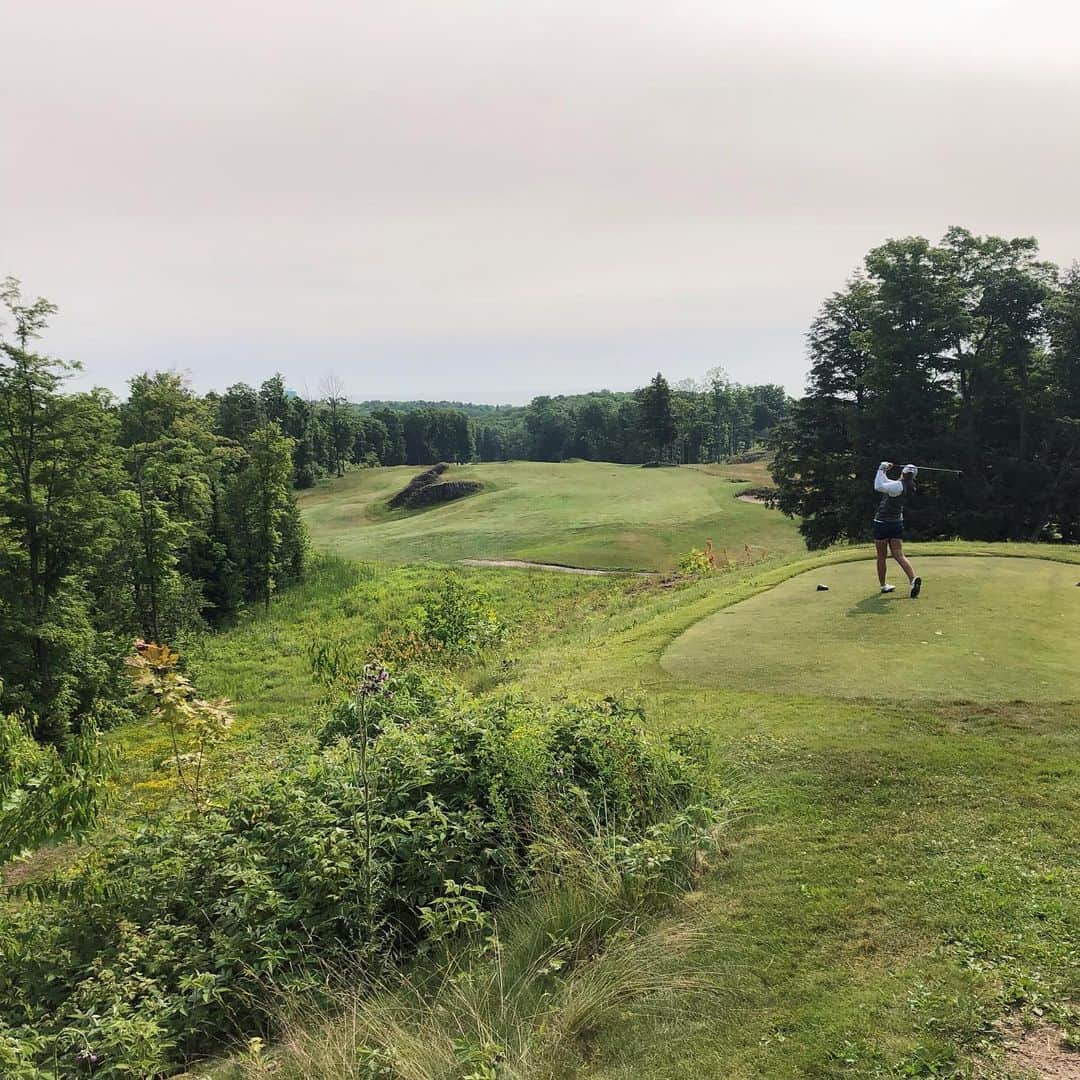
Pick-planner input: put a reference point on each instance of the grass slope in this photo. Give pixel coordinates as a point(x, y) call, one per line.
point(581, 513)
point(262, 665)
point(901, 876)
point(983, 629)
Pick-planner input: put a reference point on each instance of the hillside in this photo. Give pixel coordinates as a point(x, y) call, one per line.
point(588, 514)
point(903, 876)
point(900, 878)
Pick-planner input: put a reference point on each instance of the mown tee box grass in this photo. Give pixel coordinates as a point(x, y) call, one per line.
point(984, 629)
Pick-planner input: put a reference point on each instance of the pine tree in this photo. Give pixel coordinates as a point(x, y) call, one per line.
point(58, 477)
point(266, 530)
point(657, 417)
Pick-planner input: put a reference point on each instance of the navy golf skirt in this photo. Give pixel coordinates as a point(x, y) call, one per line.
point(888, 530)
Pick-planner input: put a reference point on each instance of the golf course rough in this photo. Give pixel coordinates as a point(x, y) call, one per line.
point(984, 629)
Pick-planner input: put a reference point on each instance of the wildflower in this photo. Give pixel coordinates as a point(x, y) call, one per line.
point(373, 680)
point(88, 1060)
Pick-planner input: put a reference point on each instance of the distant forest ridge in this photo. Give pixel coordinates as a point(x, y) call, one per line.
point(469, 408)
point(691, 422)
point(688, 423)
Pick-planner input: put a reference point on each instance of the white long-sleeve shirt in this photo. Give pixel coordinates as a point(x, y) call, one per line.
point(886, 486)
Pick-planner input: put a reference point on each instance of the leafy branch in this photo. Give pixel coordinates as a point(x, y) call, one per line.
point(195, 725)
point(48, 793)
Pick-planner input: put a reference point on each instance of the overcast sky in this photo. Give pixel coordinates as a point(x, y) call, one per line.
point(489, 201)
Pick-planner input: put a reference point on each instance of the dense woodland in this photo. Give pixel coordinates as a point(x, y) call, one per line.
point(147, 518)
point(964, 355)
point(691, 422)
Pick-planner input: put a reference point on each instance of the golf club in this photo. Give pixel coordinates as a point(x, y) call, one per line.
point(932, 468)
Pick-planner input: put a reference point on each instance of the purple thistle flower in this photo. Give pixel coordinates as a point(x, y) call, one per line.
point(373, 681)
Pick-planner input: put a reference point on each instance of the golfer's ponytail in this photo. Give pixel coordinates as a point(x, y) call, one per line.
point(909, 483)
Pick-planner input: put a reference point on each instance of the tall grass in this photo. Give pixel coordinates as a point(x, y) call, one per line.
point(519, 999)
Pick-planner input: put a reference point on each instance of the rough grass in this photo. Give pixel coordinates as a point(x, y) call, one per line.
point(906, 873)
point(523, 997)
point(982, 630)
point(580, 513)
point(262, 664)
point(512, 1015)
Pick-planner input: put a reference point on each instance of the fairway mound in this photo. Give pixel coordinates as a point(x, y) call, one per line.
point(426, 489)
point(984, 629)
point(445, 492)
point(422, 480)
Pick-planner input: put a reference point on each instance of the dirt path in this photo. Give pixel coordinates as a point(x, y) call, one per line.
point(1040, 1050)
point(519, 564)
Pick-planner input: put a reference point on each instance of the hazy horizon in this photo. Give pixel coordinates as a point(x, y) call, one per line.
point(484, 203)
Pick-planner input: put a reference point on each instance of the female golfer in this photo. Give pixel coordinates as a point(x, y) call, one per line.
point(889, 523)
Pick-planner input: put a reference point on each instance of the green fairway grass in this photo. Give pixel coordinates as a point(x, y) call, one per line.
point(982, 630)
point(582, 513)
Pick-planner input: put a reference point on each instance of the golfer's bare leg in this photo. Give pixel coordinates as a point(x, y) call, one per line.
point(897, 548)
point(882, 559)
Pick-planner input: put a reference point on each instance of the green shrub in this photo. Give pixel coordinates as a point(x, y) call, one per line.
point(48, 793)
point(520, 993)
point(409, 695)
point(168, 942)
point(458, 622)
point(695, 563)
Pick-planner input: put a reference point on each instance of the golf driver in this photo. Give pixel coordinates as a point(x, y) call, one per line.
point(931, 468)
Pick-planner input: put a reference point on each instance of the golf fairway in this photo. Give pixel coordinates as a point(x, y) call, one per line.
point(984, 629)
point(581, 513)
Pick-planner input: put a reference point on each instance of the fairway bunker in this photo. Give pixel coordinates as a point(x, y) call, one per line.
point(984, 629)
point(558, 568)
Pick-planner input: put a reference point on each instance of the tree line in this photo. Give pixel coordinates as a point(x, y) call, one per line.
point(694, 421)
point(963, 354)
point(691, 422)
point(149, 517)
